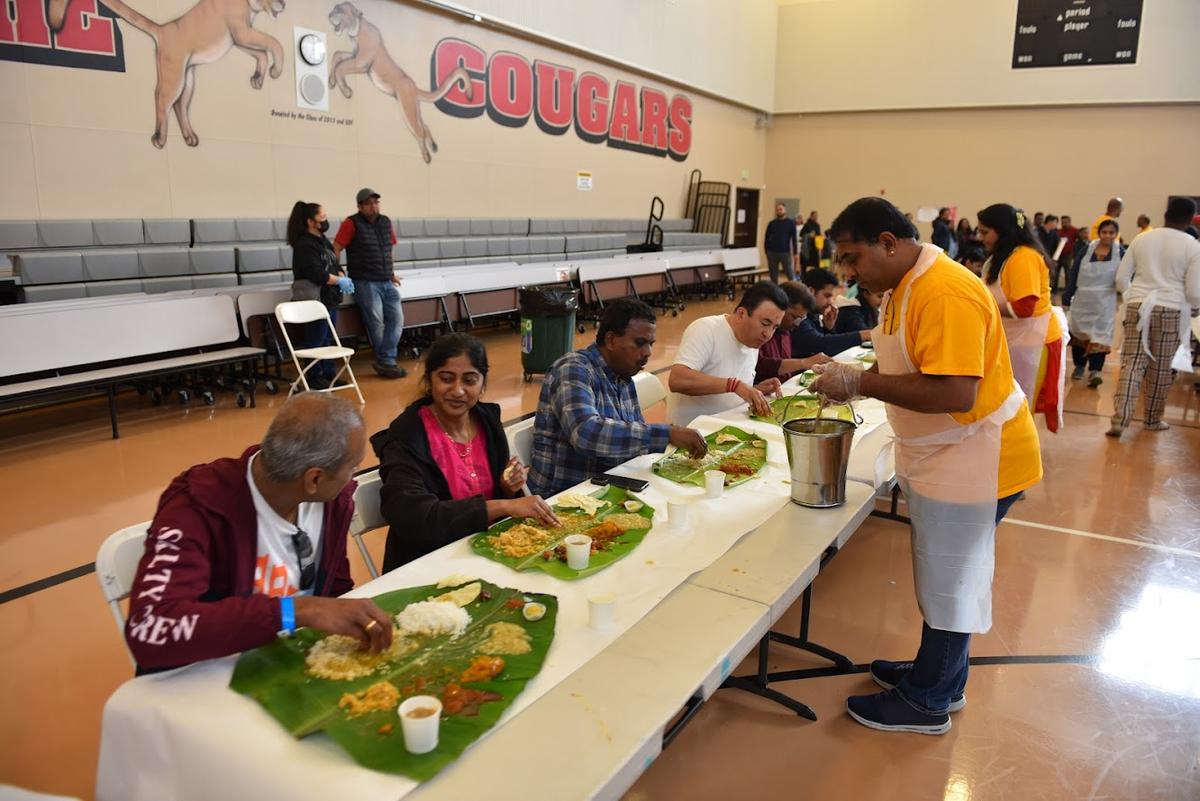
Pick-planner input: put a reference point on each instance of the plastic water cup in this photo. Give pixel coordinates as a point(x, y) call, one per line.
point(579, 551)
point(677, 513)
point(602, 611)
point(714, 483)
point(420, 717)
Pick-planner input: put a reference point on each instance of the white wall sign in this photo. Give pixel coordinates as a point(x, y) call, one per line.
point(583, 181)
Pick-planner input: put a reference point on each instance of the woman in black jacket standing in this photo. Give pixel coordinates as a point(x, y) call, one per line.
point(315, 276)
point(444, 461)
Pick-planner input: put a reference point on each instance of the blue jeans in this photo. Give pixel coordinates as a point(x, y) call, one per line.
point(318, 335)
point(939, 672)
point(382, 316)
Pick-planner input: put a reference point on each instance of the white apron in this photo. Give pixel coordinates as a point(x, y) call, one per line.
point(1182, 359)
point(949, 473)
point(1026, 337)
point(1093, 314)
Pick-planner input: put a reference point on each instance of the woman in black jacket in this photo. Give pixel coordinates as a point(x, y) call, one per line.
point(861, 314)
point(315, 276)
point(444, 461)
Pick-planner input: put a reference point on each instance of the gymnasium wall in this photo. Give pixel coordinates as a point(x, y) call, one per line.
point(858, 55)
point(1060, 160)
point(76, 142)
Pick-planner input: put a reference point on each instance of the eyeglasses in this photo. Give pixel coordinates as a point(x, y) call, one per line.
point(304, 554)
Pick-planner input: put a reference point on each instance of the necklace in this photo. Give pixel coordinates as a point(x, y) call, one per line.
point(463, 450)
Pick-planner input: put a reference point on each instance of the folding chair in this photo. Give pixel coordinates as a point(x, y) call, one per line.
point(650, 389)
point(366, 515)
point(520, 440)
point(116, 566)
point(302, 312)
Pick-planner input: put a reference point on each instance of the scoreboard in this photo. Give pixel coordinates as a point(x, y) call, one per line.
point(1076, 33)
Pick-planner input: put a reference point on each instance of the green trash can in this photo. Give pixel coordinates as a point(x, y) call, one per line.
point(547, 326)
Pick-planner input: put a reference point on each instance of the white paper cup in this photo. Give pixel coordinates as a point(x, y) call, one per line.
point(420, 733)
point(602, 611)
point(579, 551)
point(677, 513)
point(714, 483)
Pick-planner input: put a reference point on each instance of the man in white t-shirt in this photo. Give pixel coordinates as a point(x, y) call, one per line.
point(1160, 278)
point(241, 550)
point(714, 368)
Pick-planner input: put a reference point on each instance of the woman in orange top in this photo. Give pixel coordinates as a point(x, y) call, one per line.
point(1019, 280)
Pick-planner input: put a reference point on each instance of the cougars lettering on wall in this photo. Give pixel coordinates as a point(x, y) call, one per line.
point(511, 90)
point(79, 33)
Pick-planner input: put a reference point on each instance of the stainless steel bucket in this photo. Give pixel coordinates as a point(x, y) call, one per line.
point(818, 452)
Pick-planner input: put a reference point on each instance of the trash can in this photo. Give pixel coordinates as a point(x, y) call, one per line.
point(547, 326)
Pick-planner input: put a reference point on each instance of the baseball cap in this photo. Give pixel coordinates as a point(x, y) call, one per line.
point(366, 194)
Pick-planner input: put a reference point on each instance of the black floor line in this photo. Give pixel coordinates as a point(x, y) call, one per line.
point(46, 583)
point(976, 661)
point(1134, 420)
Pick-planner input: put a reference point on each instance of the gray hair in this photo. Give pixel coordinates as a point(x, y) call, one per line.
point(311, 430)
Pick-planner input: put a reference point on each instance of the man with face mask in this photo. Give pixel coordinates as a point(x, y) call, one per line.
point(368, 237)
point(965, 448)
point(779, 242)
point(588, 417)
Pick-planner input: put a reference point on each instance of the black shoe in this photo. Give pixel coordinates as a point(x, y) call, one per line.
point(389, 371)
point(887, 711)
point(316, 382)
point(888, 674)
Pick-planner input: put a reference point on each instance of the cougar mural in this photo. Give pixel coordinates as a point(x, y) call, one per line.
point(204, 34)
point(371, 57)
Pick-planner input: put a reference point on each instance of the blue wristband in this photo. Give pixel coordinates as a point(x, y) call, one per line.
point(287, 613)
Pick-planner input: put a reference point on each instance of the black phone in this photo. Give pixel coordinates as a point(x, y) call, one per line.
point(624, 482)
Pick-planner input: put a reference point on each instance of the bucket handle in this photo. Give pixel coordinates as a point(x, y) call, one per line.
point(857, 418)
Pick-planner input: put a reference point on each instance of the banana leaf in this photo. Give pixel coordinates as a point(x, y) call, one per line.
point(750, 450)
point(800, 406)
point(807, 377)
point(619, 548)
point(867, 358)
point(275, 676)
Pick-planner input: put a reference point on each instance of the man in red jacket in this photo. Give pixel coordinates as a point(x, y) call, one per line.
point(241, 550)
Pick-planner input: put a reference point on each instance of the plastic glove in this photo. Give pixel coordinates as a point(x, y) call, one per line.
point(836, 380)
point(345, 284)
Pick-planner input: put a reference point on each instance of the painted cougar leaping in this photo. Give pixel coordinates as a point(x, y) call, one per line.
point(370, 56)
point(204, 34)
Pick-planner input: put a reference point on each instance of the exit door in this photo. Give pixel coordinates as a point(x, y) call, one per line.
point(745, 220)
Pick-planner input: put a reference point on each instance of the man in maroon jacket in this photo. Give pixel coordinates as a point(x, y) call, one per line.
point(241, 550)
point(775, 358)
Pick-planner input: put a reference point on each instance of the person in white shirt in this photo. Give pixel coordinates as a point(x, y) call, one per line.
point(1160, 278)
point(714, 368)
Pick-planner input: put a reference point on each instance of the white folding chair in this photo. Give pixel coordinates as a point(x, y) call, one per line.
point(520, 440)
point(302, 312)
point(650, 389)
point(366, 515)
point(116, 566)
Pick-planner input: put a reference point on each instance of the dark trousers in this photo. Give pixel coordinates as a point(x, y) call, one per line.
point(777, 260)
point(318, 335)
point(1094, 361)
point(939, 672)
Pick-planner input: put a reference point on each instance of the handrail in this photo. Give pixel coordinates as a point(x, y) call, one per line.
point(655, 217)
point(694, 181)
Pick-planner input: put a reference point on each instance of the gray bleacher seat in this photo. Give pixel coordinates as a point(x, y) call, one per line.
point(167, 232)
point(481, 226)
point(161, 262)
point(437, 226)
point(96, 289)
point(498, 246)
point(458, 226)
point(675, 224)
point(118, 232)
point(48, 267)
point(615, 242)
point(18, 234)
point(475, 260)
point(207, 259)
point(174, 284)
point(335, 224)
point(476, 246)
point(258, 258)
point(409, 226)
point(403, 265)
point(255, 229)
point(518, 226)
point(285, 257)
point(264, 278)
point(571, 225)
point(110, 263)
point(214, 281)
point(214, 230)
point(497, 259)
point(65, 234)
point(402, 250)
point(578, 243)
point(500, 226)
point(518, 245)
point(425, 249)
point(451, 248)
point(36, 294)
point(279, 225)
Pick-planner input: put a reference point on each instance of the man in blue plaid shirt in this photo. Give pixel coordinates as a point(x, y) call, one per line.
point(588, 418)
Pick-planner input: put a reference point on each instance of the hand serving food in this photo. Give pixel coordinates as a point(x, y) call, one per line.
point(837, 381)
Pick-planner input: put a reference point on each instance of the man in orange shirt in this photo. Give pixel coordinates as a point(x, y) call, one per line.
point(964, 438)
point(1114, 209)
